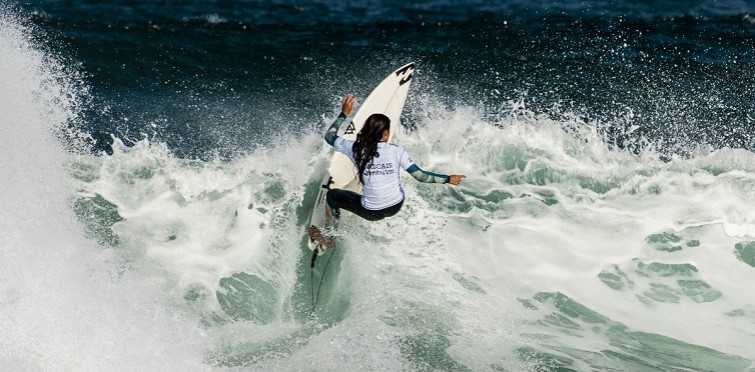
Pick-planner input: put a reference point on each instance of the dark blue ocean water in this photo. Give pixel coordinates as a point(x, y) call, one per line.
point(672, 75)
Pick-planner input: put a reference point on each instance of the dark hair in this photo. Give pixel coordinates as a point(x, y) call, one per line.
point(365, 147)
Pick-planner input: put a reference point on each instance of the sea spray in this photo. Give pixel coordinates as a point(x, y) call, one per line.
point(59, 290)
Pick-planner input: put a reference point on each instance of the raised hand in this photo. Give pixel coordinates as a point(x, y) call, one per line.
point(347, 104)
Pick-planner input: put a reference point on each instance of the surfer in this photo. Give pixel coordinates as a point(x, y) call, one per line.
point(377, 163)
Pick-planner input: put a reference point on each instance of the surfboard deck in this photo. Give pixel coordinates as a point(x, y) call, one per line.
point(387, 98)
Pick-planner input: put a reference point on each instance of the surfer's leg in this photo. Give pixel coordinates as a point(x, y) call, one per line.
point(382, 213)
point(352, 202)
point(348, 200)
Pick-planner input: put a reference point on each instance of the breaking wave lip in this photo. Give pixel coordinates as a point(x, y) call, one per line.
point(63, 304)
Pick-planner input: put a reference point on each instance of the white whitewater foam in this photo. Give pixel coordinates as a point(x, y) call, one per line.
point(62, 305)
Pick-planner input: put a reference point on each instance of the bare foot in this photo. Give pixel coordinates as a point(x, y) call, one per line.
point(316, 235)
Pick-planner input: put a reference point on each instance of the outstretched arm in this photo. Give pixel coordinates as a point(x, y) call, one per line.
point(346, 106)
point(430, 177)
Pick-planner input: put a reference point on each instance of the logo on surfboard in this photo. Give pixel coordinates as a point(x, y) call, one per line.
point(407, 70)
point(351, 128)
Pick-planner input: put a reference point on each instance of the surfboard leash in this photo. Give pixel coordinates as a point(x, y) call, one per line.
point(312, 278)
point(316, 296)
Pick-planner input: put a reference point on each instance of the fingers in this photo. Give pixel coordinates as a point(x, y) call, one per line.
point(347, 104)
point(455, 179)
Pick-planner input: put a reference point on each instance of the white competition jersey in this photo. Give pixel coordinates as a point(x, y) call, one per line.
point(381, 188)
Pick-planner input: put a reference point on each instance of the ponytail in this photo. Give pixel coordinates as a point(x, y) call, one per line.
point(366, 145)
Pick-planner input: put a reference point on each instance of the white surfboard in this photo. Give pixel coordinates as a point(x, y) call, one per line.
point(387, 98)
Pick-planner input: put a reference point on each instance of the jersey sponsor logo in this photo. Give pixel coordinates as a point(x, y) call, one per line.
point(379, 169)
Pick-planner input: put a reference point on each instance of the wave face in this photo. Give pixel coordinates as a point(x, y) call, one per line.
point(161, 161)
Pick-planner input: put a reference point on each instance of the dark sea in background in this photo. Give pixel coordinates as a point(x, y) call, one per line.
point(678, 71)
point(606, 222)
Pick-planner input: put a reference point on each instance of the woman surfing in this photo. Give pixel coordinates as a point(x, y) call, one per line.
point(377, 163)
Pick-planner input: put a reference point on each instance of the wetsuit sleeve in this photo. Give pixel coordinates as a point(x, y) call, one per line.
point(425, 176)
point(420, 175)
point(332, 133)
